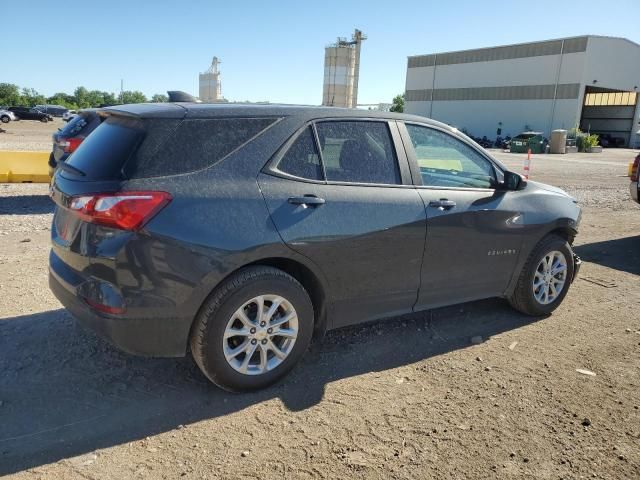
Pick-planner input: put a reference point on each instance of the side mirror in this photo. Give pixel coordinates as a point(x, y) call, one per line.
point(513, 181)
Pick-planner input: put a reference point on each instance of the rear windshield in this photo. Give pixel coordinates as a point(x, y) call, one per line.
point(77, 124)
point(101, 155)
point(125, 148)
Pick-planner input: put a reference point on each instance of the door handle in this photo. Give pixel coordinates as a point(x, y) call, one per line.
point(442, 204)
point(307, 201)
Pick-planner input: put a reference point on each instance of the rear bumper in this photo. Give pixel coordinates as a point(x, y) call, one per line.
point(150, 337)
point(633, 191)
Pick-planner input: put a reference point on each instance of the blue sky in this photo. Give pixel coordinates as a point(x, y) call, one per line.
point(270, 50)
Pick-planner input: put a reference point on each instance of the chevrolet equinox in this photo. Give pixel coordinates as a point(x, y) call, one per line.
point(241, 232)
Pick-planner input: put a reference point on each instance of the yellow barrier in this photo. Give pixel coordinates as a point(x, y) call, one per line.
point(24, 167)
point(629, 169)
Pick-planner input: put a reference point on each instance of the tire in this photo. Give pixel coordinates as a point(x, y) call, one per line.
point(44, 119)
point(523, 298)
point(220, 313)
point(5, 119)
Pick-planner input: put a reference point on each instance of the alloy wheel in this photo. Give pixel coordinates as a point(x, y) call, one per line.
point(260, 335)
point(550, 277)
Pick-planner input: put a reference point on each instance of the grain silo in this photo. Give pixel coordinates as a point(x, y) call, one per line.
point(210, 87)
point(341, 72)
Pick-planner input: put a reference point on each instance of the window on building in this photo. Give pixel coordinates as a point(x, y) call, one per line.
point(614, 99)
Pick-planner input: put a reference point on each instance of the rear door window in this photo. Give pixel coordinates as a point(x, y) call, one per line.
point(302, 159)
point(358, 152)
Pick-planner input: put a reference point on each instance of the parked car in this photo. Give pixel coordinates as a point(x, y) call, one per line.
point(68, 115)
point(6, 116)
point(26, 113)
point(67, 139)
point(634, 186)
point(607, 140)
point(239, 232)
point(54, 110)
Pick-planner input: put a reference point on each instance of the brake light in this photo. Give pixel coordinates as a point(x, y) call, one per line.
point(71, 144)
point(635, 169)
point(123, 210)
point(101, 307)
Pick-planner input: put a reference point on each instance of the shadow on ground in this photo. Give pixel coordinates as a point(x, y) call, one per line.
point(26, 205)
point(620, 254)
point(65, 392)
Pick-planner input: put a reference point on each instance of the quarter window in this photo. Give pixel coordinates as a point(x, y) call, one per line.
point(445, 161)
point(302, 159)
point(358, 152)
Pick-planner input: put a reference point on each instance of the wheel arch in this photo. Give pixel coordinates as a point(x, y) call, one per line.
point(304, 274)
point(566, 232)
point(564, 227)
point(311, 283)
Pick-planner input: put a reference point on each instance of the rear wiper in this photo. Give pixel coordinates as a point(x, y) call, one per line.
point(71, 169)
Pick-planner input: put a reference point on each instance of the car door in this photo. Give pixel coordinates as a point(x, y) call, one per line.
point(474, 236)
point(339, 193)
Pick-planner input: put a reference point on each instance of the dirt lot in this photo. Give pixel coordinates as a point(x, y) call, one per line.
point(28, 135)
point(406, 398)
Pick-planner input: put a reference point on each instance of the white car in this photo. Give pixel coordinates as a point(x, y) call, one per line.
point(6, 116)
point(68, 115)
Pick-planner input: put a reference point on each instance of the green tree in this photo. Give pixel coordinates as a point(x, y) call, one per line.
point(159, 98)
point(63, 99)
point(9, 94)
point(397, 105)
point(81, 96)
point(31, 97)
point(133, 97)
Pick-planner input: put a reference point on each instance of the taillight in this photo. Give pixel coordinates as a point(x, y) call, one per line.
point(104, 308)
point(123, 210)
point(635, 168)
point(70, 144)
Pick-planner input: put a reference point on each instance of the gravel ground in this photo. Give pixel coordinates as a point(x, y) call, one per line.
point(28, 135)
point(408, 398)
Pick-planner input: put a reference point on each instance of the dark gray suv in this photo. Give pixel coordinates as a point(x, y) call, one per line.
point(244, 231)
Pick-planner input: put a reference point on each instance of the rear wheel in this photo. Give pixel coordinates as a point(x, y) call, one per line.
point(253, 329)
point(545, 277)
point(44, 119)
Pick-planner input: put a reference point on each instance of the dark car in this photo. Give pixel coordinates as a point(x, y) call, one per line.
point(27, 113)
point(54, 110)
point(243, 231)
point(68, 138)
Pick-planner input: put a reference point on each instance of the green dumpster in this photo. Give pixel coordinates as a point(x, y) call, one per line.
point(528, 140)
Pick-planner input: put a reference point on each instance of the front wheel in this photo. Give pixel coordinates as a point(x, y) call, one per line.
point(44, 120)
point(545, 277)
point(5, 119)
point(253, 329)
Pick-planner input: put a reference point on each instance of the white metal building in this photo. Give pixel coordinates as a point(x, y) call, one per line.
point(210, 87)
point(590, 81)
point(341, 72)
